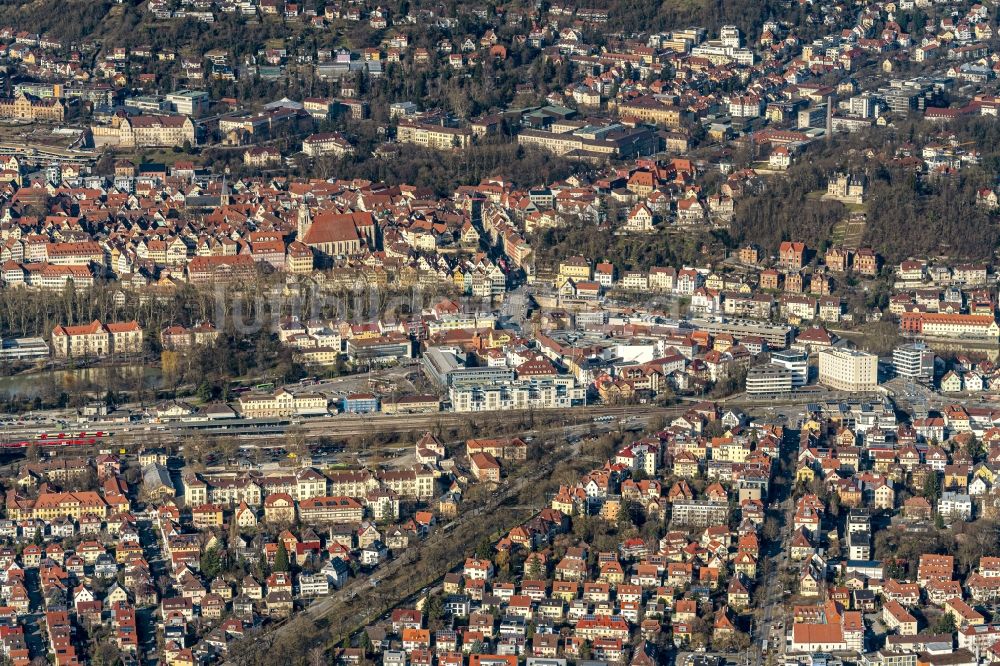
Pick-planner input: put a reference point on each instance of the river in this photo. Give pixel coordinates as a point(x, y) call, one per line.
point(32, 384)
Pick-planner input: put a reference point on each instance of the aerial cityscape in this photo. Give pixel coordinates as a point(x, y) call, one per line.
point(482, 333)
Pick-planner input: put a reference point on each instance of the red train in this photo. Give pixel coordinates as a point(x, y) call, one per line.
point(59, 440)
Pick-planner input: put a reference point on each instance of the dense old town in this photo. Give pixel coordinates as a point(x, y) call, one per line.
point(499, 333)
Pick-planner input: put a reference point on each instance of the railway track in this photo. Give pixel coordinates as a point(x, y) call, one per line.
point(334, 426)
point(267, 433)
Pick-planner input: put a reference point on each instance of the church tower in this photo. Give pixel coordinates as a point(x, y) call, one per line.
point(305, 222)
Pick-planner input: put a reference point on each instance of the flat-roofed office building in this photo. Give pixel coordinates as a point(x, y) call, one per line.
point(769, 380)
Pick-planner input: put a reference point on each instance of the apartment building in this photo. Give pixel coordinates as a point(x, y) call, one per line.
point(896, 617)
point(48, 506)
point(47, 276)
point(915, 361)
point(352, 483)
point(955, 506)
point(698, 513)
point(795, 362)
point(330, 509)
point(74, 254)
point(769, 380)
point(414, 483)
point(181, 337)
point(228, 491)
point(97, 339)
point(848, 369)
point(437, 137)
point(777, 336)
point(537, 393)
point(950, 326)
point(299, 258)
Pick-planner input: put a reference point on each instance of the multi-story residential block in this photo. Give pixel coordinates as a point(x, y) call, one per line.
point(535, 393)
point(437, 137)
point(330, 509)
point(848, 370)
point(96, 339)
point(769, 380)
point(950, 326)
point(180, 337)
point(413, 483)
point(698, 513)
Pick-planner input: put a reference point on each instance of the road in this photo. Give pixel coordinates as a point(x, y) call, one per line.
point(910, 396)
point(148, 619)
point(400, 375)
point(21, 148)
point(771, 627)
point(35, 631)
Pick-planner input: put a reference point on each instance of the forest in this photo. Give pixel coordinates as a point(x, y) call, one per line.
point(785, 211)
point(443, 172)
point(28, 312)
point(629, 15)
point(626, 252)
point(128, 23)
point(907, 214)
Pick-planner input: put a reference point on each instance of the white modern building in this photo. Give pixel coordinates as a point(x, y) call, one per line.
point(848, 370)
point(192, 103)
point(955, 506)
point(796, 362)
point(536, 393)
point(913, 361)
point(769, 380)
point(314, 585)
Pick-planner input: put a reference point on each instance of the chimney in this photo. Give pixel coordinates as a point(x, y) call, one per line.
point(829, 118)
